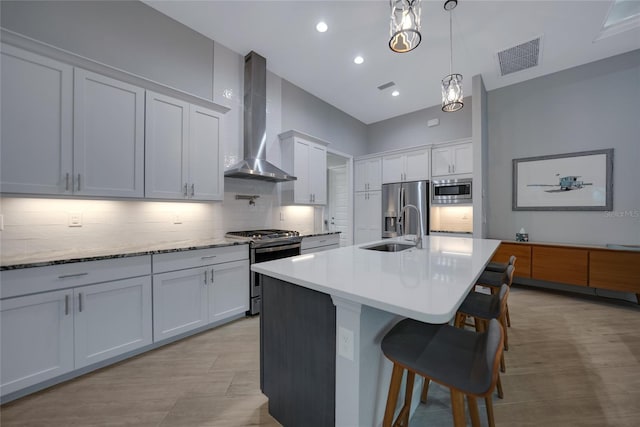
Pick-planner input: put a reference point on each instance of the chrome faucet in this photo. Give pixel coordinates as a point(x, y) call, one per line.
point(419, 239)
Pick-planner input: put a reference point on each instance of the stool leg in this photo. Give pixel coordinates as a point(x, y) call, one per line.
point(503, 322)
point(499, 387)
point(503, 367)
point(508, 317)
point(473, 411)
point(392, 397)
point(403, 417)
point(457, 407)
point(489, 404)
point(425, 390)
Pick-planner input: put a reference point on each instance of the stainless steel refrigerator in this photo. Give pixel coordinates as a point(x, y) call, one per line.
point(397, 195)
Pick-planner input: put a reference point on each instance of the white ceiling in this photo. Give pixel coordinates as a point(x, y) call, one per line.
point(322, 64)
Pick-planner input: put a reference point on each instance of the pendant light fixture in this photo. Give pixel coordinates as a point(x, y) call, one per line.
point(405, 25)
point(451, 84)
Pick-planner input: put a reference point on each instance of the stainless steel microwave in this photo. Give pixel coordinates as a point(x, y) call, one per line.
point(451, 191)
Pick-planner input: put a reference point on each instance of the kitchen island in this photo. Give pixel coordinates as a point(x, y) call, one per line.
point(324, 315)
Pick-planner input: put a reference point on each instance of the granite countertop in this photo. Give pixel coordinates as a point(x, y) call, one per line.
point(424, 284)
point(40, 259)
point(326, 233)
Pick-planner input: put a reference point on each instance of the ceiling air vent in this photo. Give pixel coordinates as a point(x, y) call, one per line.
point(386, 85)
point(520, 57)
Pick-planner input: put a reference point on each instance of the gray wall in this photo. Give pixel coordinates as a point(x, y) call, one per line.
point(410, 130)
point(594, 106)
point(311, 115)
point(124, 34)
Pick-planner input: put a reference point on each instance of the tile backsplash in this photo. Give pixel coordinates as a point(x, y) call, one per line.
point(34, 225)
point(452, 218)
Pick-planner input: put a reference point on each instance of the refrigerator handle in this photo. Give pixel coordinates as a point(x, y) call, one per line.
point(402, 220)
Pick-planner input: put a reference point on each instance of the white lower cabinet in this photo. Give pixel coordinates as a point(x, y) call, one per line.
point(189, 298)
point(321, 243)
point(111, 319)
point(229, 290)
point(179, 302)
point(36, 340)
point(52, 333)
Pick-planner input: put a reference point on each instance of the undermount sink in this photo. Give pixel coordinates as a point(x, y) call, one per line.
point(389, 247)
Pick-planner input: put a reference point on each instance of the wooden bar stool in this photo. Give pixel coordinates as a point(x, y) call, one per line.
point(500, 267)
point(494, 281)
point(464, 361)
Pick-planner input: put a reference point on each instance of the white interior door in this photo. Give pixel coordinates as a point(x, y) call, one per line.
point(339, 203)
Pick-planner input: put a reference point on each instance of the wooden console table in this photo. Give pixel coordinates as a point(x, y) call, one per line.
point(590, 266)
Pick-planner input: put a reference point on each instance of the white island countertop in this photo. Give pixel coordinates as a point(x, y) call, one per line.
point(424, 284)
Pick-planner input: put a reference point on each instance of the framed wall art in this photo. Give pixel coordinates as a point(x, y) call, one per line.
point(570, 182)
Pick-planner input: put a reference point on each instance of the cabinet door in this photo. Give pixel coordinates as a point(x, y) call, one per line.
point(368, 216)
point(301, 153)
point(108, 141)
point(205, 159)
point(374, 174)
point(36, 123)
point(318, 174)
point(229, 291)
point(462, 158)
point(179, 301)
point(441, 161)
point(360, 168)
point(36, 339)
point(417, 165)
point(167, 134)
point(393, 168)
point(111, 319)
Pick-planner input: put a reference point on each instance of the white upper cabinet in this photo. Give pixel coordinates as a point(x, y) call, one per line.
point(306, 158)
point(368, 174)
point(68, 131)
point(182, 159)
point(452, 160)
point(368, 216)
point(108, 138)
point(406, 166)
point(36, 124)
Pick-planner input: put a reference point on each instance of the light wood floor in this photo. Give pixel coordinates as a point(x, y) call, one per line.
point(573, 361)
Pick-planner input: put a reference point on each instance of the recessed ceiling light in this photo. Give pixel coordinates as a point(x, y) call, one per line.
point(358, 60)
point(322, 27)
point(395, 93)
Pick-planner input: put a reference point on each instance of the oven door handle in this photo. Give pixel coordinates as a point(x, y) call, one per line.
point(277, 248)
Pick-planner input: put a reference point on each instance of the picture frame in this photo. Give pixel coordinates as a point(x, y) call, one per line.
point(581, 181)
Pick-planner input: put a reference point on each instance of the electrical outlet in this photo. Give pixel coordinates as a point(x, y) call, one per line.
point(281, 216)
point(177, 219)
point(345, 343)
point(75, 219)
point(1, 222)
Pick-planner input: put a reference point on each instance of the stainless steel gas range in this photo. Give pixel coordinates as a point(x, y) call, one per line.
point(266, 245)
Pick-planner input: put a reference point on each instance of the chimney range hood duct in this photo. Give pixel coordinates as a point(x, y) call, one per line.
point(255, 165)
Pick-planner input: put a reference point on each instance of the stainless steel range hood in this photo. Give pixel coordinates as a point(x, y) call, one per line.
point(255, 164)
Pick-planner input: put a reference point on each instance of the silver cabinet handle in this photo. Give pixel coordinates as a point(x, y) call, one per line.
point(207, 257)
point(66, 305)
point(185, 190)
point(78, 182)
point(212, 276)
point(205, 277)
point(453, 168)
point(80, 302)
point(66, 276)
point(66, 185)
point(193, 189)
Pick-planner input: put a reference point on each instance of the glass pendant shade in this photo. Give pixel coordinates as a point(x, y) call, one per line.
point(451, 84)
point(405, 25)
point(452, 93)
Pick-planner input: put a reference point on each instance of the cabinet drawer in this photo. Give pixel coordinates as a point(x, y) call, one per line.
point(616, 270)
point(318, 241)
point(196, 258)
point(52, 277)
point(561, 265)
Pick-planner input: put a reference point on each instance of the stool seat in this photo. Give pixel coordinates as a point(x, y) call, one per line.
point(484, 306)
point(492, 278)
point(500, 267)
point(464, 361)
